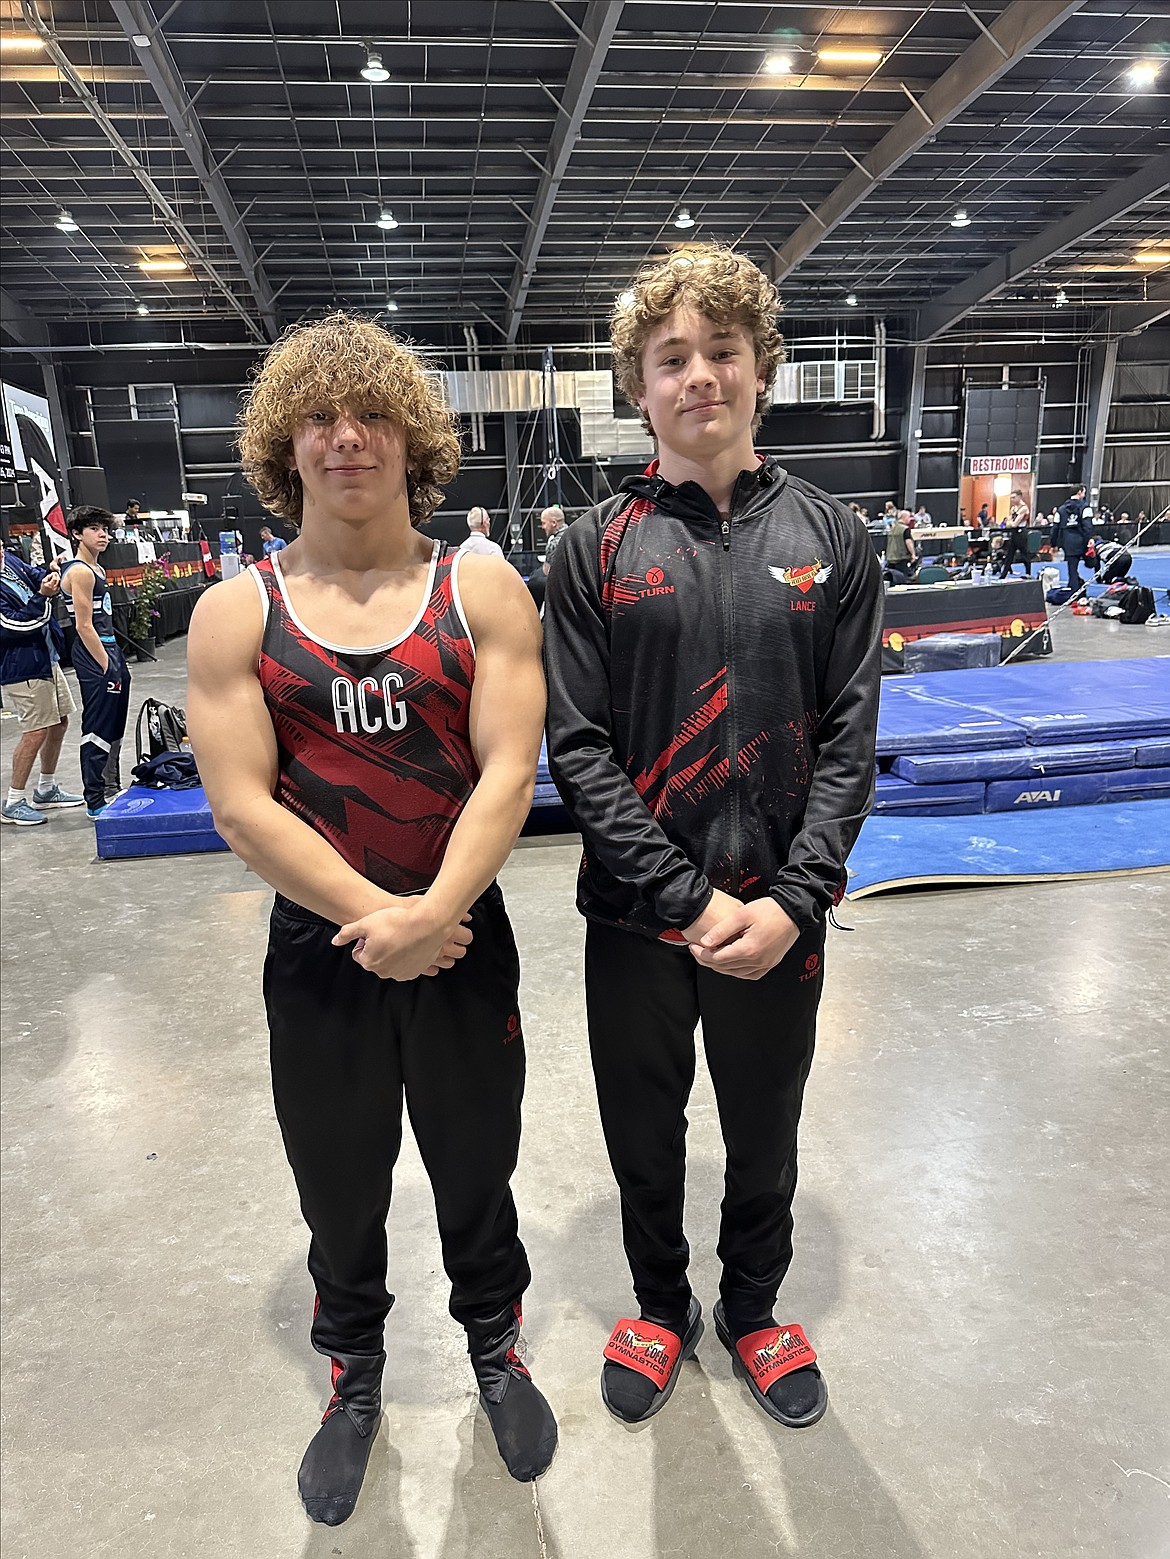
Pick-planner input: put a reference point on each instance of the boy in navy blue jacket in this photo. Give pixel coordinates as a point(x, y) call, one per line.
point(34, 689)
point(712, 642)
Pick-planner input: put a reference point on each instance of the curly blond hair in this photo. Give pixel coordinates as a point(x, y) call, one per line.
point(342, 358)
point(716, 281)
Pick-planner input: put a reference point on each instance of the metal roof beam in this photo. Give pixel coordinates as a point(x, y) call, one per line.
point(597, 30)
point(24, 328)
point(941, 313)
point(1127, 319)
point(1014, 34)
point(136, 17)
point(168, 213)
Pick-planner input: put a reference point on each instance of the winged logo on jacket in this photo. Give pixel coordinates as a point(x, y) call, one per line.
point(804, 578)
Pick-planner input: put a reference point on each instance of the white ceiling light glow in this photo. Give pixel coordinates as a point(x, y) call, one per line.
point(387, 221)
point(778, 65)
point(850, 56)
point(851, 299)
point(684, 219)
point(66, 223)
point(1143, 75)
point(960, 218)
point(373, 70)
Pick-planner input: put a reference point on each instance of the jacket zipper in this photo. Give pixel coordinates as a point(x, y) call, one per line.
point(733, 746)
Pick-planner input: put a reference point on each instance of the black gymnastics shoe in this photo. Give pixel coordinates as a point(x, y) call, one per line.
point(330, 1478)
point(521, 1419)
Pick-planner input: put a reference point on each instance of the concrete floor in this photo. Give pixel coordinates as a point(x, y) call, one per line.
point(981, 1242)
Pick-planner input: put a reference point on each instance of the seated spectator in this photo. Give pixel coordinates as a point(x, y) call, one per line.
point(922, 519)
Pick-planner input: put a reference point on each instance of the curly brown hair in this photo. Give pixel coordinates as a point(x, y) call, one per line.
point(716, 281)
point(344, 358)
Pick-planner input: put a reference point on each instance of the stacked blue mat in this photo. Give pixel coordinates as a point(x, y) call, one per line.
point(1020, 738)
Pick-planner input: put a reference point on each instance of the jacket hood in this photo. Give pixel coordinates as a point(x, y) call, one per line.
point(689, 501)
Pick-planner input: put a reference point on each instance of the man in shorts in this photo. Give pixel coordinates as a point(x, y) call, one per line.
point(366, 710)
point(35, 689)
point(712, 645)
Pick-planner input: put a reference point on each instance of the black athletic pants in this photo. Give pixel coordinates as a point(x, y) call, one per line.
point(105, 704)
point(346, 1047)
point(1073, 562)
point(644, 999)
point(1015, 548)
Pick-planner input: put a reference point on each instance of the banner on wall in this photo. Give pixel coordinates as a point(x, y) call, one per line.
point(30, 430)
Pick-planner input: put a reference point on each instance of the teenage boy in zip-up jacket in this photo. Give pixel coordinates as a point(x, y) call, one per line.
point(712, 643)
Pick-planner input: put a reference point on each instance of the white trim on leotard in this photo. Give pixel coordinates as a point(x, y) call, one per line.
point(358, 649)
point(263, 589)
point(458, 599)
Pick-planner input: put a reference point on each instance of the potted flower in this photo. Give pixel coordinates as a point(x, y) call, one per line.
point(144, 612)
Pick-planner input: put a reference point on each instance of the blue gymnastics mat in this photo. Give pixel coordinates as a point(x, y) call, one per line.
point(1038, 704)
point(1010, 847)
point(1044, 846)
point(913, 719)
point(156, 822)
point(1020, 762)
point(1068, 702)
point(1076, 790)
point(898, 796)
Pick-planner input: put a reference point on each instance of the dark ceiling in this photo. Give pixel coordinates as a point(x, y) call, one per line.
point(532, 154)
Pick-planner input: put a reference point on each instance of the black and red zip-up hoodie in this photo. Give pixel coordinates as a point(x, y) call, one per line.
point(713, 695)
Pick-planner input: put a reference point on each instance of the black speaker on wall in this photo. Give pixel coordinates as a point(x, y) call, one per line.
point(87, 484)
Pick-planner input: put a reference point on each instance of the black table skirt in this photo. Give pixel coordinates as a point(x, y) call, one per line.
point(1011, 608)
point(173, 606)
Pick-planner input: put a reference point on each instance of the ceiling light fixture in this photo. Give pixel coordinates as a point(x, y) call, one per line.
point(66, 223)
point(1152, 257)
point(177, 264)
point(391, 306)
point(140, 40)
point(1060, 299)
point(850, 56)
point(387, 219)
point(851, 299)
point(20, 43)
point(373, 70)
point(778, 65)
point(1143, 74)
point(142, 309)
point(684, 219)
point(960, 218)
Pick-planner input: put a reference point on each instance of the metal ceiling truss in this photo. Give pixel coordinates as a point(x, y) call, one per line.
point(596, 34)
point(544, 215)
point(161, 204)
point(941, 313)
point(137, 18)
point(1011, 37)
